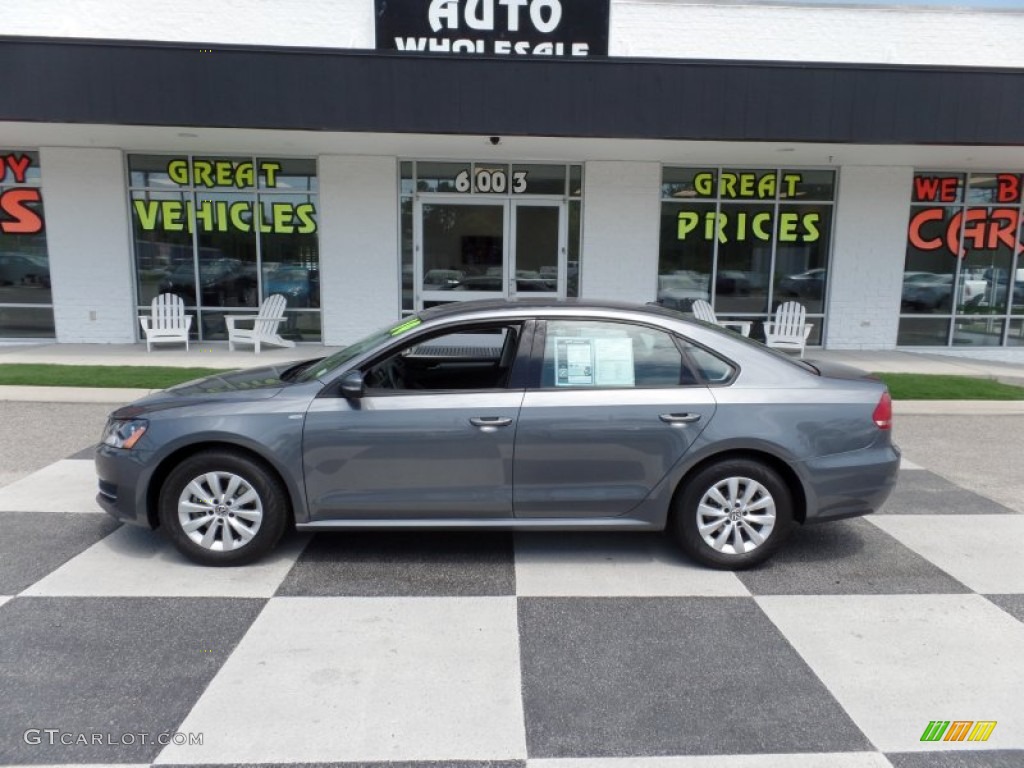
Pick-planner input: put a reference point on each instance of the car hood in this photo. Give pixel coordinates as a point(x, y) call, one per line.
point(260, 383)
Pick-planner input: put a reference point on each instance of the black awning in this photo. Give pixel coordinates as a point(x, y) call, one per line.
point(310, 89)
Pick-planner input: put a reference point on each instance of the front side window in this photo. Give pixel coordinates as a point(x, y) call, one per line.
point(225, 233)
point(477, 358)
point(26, 304)
point(746, 240)
point(594, 354)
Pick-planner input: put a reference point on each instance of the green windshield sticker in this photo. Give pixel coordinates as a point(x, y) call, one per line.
point(406, 326)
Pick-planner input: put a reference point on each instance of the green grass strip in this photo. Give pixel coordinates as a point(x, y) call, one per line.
point(921, 386)
point(130, 376)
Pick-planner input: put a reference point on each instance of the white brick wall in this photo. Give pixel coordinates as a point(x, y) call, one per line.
point(88, 241)
point(693, 29)
point(312, 23)
point(621, 207)
point(867, 257)
point(359, 271)
point(770, 32)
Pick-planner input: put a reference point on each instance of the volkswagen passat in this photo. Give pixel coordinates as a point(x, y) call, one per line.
point(524, 415)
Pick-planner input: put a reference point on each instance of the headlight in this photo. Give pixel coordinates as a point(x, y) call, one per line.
point(124, 433)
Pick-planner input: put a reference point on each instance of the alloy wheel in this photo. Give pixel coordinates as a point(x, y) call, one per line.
point(220, 511)
point(736, 515)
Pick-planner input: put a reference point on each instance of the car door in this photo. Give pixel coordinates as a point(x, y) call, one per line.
point(615, 408)
point(433, 442)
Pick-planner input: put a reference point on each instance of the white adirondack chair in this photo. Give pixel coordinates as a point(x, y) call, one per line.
point(264, 326)
point(167, 323)
point(703, 311)
point(788, 330)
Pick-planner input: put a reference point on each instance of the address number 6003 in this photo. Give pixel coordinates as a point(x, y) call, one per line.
point(490, 181)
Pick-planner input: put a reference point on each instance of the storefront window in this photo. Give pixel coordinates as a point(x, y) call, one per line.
point(962, 261)
point(746, 240)
point(227, 232)
point(26, 304)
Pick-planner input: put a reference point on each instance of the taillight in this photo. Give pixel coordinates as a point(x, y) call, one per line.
point(883, 412)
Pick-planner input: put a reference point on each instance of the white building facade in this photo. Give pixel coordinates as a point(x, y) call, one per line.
point(865, 160)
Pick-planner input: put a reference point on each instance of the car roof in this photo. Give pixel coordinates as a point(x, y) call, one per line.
point(539, 305)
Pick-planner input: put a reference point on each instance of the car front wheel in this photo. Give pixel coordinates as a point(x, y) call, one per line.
point(733, 514)
point(223, 508)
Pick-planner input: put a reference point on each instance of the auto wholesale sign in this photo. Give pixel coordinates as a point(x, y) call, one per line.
point(554, 28)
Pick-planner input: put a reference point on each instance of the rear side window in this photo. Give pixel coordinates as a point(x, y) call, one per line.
point(593, 354)
point(710, 367)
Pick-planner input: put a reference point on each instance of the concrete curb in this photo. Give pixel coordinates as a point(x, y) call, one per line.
point(958, 407)
point(72, 394)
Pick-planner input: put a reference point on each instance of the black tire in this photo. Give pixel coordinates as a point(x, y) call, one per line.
point(686, 514)
point(271, 500)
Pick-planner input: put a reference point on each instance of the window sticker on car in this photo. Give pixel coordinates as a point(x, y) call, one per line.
point(574, 362)
point(406, 326)
point(590, 362)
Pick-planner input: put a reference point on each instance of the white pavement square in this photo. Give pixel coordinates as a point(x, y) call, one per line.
point(906, 464)
point(819, 760)
point(135, 562)
point(614, 565)
point(363, 679)
point(897, 662)
point(4, 599)
point(68, 485)
point(982, 553)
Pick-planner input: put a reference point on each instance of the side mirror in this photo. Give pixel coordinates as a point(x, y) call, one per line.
point(352, 385)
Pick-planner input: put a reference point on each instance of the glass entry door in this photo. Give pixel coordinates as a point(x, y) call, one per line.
point(538, 248)
point(487, 249)
point(460, 252)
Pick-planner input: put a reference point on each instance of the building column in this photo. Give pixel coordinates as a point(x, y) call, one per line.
point(621, 209)
point(868, 253)
point(88, 240)
point(359, 259)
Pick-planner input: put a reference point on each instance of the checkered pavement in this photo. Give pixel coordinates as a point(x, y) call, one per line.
point(547, 650)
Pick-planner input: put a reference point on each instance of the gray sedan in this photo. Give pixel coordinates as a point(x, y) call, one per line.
point(530, 415)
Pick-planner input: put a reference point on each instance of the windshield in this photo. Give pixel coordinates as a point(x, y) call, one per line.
point(342, 356)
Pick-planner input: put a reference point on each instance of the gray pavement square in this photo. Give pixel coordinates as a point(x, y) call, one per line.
point(606, 677)
point(847, 557)
point(32, 544)
point(399, 563)
point(113, 666)
point(85, 453)
point(920, 492)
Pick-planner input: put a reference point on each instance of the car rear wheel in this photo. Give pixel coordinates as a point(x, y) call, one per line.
point(223, 508)
point(733, 514)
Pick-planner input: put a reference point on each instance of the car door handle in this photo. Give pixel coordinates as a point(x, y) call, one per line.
point(490, 421)
point(679, 418)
